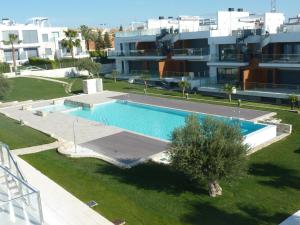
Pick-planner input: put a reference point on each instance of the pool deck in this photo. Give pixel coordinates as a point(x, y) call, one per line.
point(236, 112)
point(115, 145)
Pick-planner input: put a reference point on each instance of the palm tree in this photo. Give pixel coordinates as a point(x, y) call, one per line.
point(71, 41)
point(13, 39)
point(293, 100)
point(228, 88)
point(87, 35)
point(184, 84)
point(145, 77)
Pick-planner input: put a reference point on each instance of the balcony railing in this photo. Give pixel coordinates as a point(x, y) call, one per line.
point(281, 58)
point(191, 52)
point(138, 33)
point(20, 203)
point(239, 58)
point(133, 53)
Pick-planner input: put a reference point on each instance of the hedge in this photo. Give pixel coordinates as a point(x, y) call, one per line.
point(4, 68)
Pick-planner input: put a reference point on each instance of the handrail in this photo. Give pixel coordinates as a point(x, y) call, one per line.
point(2, 145)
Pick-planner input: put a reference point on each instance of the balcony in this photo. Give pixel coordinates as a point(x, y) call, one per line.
point(136, 55)
point(280, 61)
point(19, 203)
point(195, 54)
point(138, 33)
point(229, 61)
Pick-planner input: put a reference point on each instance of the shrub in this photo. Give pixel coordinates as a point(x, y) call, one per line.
point(4, 68)
point(42, 63)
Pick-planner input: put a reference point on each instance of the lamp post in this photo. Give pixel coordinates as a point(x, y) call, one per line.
point(74, 134)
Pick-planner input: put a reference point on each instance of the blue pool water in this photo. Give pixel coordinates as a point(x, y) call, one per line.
point(152, 121)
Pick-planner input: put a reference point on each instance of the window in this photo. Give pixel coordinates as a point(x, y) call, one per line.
point(45, 37)
point(48, 51)
point(31, 52)
point(8, 55)
point(5, 34)
point(30, 36)
point(55, 35)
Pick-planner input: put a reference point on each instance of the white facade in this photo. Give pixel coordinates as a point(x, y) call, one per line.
point(37, 39)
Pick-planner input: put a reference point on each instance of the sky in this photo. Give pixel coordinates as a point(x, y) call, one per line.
point(113, 13)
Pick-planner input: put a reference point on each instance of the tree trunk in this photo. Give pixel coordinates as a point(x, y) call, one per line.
point(14, 58)
point(183, 90)
point(229, 96)
point(218, 188)
point(214, 189)
point(146, 86)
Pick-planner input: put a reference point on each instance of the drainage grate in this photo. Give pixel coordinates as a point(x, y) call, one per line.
point(92, 204)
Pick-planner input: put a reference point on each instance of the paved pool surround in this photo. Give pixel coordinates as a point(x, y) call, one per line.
point(119, 146)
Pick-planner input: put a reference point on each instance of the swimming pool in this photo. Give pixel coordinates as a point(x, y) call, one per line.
point(154, 121)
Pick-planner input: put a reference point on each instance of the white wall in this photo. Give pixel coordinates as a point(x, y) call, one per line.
point(261, 136)
point(66, 72)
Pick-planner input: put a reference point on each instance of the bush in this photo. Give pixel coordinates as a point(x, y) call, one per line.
point(42, 63)
point(97, 54)
point(4, 68)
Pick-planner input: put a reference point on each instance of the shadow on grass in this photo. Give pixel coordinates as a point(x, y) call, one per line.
point(297, 151)
point(277, 177)
point(152, 176)
point(205, 213)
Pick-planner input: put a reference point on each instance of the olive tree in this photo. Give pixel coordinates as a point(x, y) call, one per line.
point(145, 76)
point(87, 64)
point(208, 151)
point(228, 88)
point(184, 84)
point(293, 100)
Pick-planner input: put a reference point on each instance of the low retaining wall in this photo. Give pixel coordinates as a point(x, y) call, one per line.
point(261, 136)
point(55, 73)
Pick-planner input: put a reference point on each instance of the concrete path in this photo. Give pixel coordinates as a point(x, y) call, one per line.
point(36, 149)
point(59, 206)
point(292, 220)
point(47, 79)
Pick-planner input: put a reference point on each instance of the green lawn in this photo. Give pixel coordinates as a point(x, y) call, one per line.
point(33, 89)
point(16, 136)
point(154, 194)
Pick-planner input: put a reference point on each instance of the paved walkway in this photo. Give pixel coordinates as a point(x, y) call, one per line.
point(210, 109)
point(36, 149)
point(48, 79)
point(59, 206)
point(292, 220)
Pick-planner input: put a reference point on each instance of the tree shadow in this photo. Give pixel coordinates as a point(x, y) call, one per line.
point(278, 177)
point(297, 151)
point(205, 213)
point(153, 176)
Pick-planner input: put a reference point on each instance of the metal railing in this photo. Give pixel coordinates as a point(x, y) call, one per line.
point(135, 53)
point(271, 87)
point(191, 52)
point(228, 57)
point(22, 202)
point(281, 58)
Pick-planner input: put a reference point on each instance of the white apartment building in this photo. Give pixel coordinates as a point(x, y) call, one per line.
point(37, 39)
point(236, 46)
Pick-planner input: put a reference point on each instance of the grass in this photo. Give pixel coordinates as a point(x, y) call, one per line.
point(16, 136)
point(155, 194)
point(33, 89)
